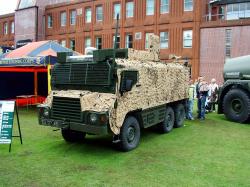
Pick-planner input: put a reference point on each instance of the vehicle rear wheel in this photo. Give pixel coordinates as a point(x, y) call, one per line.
point(236, 106)
point(130, 134)
point(72, 136)
point(180, 114)
point(167, 125)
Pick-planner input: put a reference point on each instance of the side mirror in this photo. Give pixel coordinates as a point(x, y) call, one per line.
point(129, 85)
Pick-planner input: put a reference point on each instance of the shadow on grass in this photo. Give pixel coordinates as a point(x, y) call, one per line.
point(100, 145)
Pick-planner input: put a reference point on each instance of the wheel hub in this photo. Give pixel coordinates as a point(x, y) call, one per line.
point(131, 134)
point(237, 105)
point(168, 119)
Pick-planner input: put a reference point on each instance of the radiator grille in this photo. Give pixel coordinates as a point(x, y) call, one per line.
point(66, 108)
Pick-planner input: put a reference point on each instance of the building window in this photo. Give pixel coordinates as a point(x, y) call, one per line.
point(72, 17)
point(88, 15)
point(87, 42)
point(187, 39)
point(12, 27)
point(63, 43)
point(188, 5)
point(228, 42)
point(117, 10)
point(129, 9)
point(164, 40)
point(150, 7)
point(26, 4)
point(238, 11)
point(5, 28)
point(72, 44)
point(117, 42)
point(129, 41)
point(147, 40)
point(98, 43)
point(50, 23)
point(99, 13)
point(164, 6)
point(63, 19)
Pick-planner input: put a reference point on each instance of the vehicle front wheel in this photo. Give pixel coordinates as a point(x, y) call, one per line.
point(236, 105)
point(72, 136)
point(130, 134)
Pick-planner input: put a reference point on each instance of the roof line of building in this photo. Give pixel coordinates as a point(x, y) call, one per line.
point(74, 2)
point(7, 15)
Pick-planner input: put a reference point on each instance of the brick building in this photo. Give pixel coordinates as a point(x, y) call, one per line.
point(81, 24)
point(7, 30)
point(205, 32)
point(224, 33)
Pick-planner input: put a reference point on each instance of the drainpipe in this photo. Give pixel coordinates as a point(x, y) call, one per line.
point(210, 12)
point(36, 29)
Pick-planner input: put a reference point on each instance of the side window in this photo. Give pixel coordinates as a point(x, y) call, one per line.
point(128, 80)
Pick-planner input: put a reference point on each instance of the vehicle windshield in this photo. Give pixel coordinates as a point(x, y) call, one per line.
point(92, 76)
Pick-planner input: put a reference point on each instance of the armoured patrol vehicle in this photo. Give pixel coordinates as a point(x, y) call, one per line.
point(118, 92)
point(234, 95)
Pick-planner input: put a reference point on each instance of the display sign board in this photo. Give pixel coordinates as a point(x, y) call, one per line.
point(6, 121)
point(29, 61)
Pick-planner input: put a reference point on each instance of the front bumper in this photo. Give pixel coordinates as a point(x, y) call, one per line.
point(91, 129)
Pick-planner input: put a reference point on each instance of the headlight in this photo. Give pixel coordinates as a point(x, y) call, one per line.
point(46, 112)
point(93, 118)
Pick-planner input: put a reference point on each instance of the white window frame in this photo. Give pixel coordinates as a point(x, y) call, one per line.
point(87, 42)
point(164, 6)
point(63, 19)
point(187, 6)
point(119, 41)
point(150, 7)
point(187, 37)
point(63, 43)
point(5, 28)
point(72, 47)
point(147, 39)
point(117, 10)
point(99, 14)
point(73, 17)
point(129, 9)
point(164, 38)
point(88, 15)
point(50, 21)
point(12, 27)
point(97, 43)
point(127, 42)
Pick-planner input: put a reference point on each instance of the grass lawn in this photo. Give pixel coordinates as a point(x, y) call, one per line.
point(210, 153)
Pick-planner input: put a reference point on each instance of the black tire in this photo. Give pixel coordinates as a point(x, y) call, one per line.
point(236, 106)
point(72, 136)
point(130, 134)
point(180, 114)
point(167, 125)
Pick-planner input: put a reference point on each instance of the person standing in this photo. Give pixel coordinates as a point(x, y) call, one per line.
point(214, 94)
point(191, 100)
point(203, 93)
point(197, 86)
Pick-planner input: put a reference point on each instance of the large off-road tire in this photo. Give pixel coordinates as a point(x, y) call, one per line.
point(72, 136)
point(236, 105)
point(180, 114)
point(167, 125)
point(130, 134)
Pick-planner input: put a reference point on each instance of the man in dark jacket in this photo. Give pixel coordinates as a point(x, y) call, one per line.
point(203, 93)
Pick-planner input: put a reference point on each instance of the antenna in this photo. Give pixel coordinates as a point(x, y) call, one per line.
point(116, 32)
